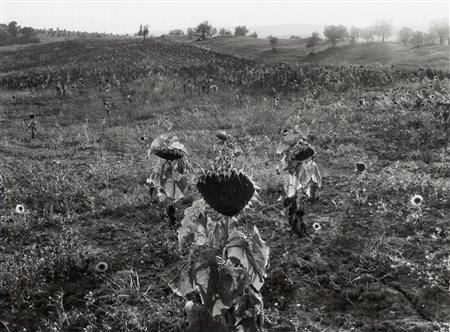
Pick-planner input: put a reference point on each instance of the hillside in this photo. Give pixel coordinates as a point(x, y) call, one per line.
point(295, 51)
point(88, 245)
point(292, 51)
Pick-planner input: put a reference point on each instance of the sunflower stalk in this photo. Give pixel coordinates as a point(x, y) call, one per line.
point(226, 229)
point(224, 266)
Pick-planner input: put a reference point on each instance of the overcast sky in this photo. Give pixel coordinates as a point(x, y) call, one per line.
point(125, 16)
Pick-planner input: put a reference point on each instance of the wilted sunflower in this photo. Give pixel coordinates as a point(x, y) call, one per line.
point(416, 200)
point(301, 151)
point(222, 135)
point(169, 153)
point(31, 115)
point(101, 267)
point(228, 192)
point(20, 209)
point(167, 149)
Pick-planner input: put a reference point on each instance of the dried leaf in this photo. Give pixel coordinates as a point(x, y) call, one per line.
point(249, 312)
point(192, 229)
point(179, 277)
point(303, 130)
point(252, 253)
point(177, 145)
point(290, 184)
point(291, 137)
point(282, 147)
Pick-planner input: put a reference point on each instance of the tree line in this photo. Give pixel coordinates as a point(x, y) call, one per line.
point(205, 30)
point(438, 31)
point(12, 33)
point(333, 34)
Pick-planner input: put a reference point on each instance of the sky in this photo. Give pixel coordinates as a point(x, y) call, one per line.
point(125, 16)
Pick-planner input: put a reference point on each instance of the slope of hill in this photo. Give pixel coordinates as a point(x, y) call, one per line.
point(295, 51)
point(389, 53)
point(292, 51)
point(85, 245)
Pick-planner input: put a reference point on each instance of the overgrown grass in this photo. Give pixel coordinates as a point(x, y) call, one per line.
point(82, 183)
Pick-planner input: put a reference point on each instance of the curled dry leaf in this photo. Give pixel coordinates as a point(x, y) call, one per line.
point(251, 252)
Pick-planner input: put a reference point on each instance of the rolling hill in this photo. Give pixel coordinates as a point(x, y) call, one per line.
point(294, 51)
point(86, 246)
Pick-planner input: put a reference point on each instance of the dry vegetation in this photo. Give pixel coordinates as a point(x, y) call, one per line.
point(82, 183)
point(294, 51)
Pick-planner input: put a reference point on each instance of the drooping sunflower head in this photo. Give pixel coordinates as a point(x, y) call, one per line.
point(169, 154)
point(168, 148)
point(301, 151)
point(226, 192)
point(222, 135)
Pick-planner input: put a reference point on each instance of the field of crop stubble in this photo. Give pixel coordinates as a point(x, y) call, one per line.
point(84, 246)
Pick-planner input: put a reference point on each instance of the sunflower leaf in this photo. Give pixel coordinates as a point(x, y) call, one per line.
point(249, 312)
point(196, 228)
point(179, 277)
point(252, 253)
point(303, 130)
point(192, 228)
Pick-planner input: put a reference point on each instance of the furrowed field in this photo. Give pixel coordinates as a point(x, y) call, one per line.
point(89, 249)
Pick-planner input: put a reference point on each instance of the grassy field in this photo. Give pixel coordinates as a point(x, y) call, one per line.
point(294, 51)
point(98, 105)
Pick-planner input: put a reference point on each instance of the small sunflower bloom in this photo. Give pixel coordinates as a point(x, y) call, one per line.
point(20, 209)
point(416, 200)
point(101, 267)
point(316, 226)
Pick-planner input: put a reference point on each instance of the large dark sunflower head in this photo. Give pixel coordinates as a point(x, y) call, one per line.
point(226, 192)
point(168, 148)
point(169, 153)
